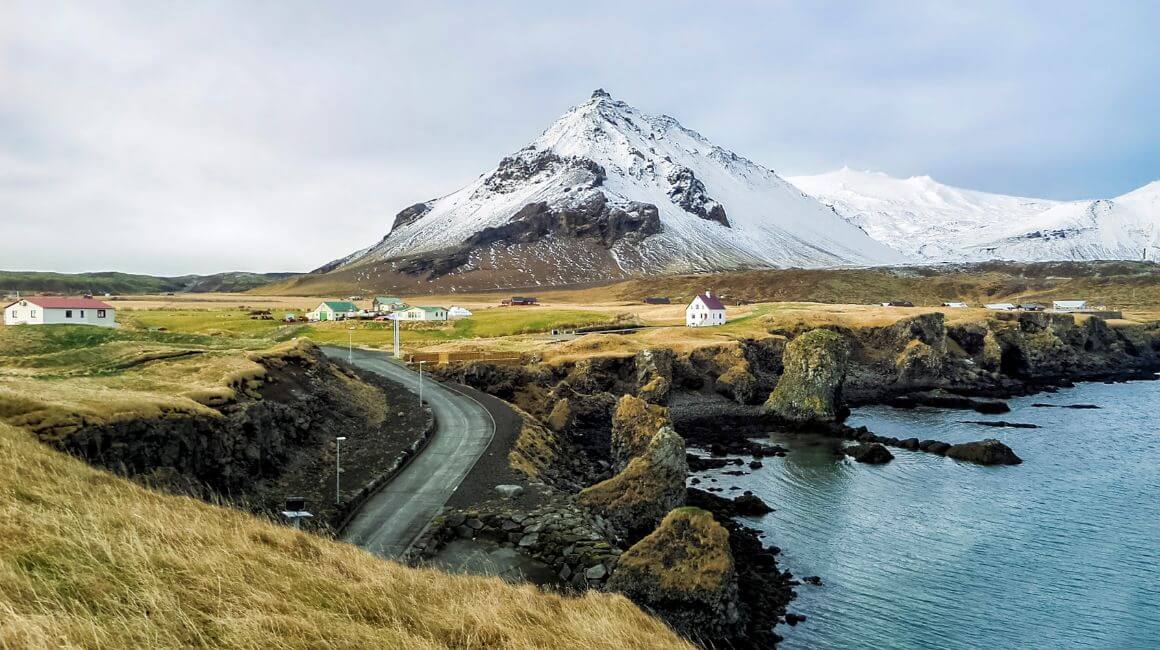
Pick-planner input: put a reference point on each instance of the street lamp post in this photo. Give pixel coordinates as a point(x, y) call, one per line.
point(338, 469)
point(350, 344)
point(421, 384)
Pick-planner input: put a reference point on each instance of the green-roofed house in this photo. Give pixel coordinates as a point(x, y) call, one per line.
point(387, 304)
point(333, 310)
point(423, 313)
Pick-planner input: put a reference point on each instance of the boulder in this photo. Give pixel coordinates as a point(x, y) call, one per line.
point(873, 453)
point(509, 491)
point(984, 452)
point(750, 505)
point(684, 571)
point(654, 374)
point(810, 386)
point(652, 484)
point(634, 424)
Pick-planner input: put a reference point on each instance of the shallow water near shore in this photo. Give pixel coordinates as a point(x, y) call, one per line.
point(1061, 551)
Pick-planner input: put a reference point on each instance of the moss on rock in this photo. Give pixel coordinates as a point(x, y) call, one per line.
point(684, 571)
point(810, 387)
point(634, 424)
point(636, 499)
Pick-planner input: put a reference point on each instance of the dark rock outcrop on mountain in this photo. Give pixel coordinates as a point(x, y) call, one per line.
point(410, 214)
point(528, 163)
point(594, 218)
point(689, 193)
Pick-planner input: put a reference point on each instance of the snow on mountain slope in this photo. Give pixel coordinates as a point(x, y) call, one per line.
point(1126, 227)
point(615, 191)
point(918, 215)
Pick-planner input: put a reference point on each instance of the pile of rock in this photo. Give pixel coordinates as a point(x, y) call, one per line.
point(574, 543)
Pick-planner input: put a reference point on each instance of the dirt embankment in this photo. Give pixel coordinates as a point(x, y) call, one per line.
point(274, 439)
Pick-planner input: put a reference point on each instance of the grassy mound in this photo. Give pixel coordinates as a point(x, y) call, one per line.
point(91, 560)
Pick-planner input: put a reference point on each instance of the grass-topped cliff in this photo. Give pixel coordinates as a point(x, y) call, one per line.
point(90, 560)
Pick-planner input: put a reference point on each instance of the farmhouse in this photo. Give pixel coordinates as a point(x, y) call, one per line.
point(656, 300)
point(520, 300)
point(706, 310)
point(423, 313)
point(955, 304)
point(333, 310)
point(387, 304)
point(1069, 305)
point(1000, 306)
point(456, 313)
point(60, 311)
point(897, 303)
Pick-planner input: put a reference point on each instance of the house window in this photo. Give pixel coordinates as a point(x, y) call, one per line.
point(32, 313)
point(82, 313)
point(100, 313)
point(68, 313)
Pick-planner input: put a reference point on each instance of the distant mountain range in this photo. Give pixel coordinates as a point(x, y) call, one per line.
point(929, 221)
point(29, 282)
point(609, 192)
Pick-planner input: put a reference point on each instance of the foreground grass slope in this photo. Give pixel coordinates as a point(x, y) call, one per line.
point(90, 560)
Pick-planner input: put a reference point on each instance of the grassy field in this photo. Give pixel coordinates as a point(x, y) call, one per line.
point(91, 560)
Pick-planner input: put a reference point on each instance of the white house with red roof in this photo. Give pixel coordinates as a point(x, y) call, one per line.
point(706, 310)
point(45, 310)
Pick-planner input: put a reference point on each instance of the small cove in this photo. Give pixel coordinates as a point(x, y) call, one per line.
point(1061, 551)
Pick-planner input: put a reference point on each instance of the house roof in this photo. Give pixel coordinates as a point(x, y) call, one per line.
point(1070, 303)
point(340, 305)
point(712, 302)
point(392, 300)
point(55, 302)
point(430, 309)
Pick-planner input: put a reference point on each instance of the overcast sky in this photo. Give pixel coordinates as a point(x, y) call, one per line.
point(195, 137)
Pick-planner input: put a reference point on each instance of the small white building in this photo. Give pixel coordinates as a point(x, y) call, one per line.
point(333, 310)
point(60, 311)
point(455, 313)
point(387, 304)
point(422, 313)
point(1000, 306)
point(955, 305)
point(1068, 305)
point(706, 310)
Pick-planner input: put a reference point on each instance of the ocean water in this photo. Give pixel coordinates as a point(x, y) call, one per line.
point(1062, 551)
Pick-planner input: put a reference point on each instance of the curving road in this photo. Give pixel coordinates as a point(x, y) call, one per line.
point(390, 521)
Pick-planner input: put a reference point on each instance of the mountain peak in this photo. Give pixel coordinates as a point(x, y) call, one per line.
point(600, 93)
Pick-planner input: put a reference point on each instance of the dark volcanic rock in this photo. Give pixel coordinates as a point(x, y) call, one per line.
point(750, 505)
point(410, 215)
point(1002, 424)
point(874, 454)
point(984, 452)
point(689, 193)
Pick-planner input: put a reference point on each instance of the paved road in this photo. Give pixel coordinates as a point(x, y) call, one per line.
point(388, 523)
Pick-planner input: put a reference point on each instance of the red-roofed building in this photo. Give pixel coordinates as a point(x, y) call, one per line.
point(706, 310)
point(53, 310)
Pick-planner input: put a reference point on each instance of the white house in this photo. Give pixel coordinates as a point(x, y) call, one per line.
point(706, 310)
point(455, 313)
point(422, 313)
point(60, 311)
point(1000, 306)
point(955, 305)
point(387, 304)
point(333, 310)
point(1069, 305)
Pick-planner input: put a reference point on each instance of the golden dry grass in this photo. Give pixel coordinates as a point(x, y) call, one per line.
point(90, 560)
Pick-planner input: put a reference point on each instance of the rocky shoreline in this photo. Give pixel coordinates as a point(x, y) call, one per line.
point(596, 437)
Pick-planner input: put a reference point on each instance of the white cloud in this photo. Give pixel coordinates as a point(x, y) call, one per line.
point(196, 137)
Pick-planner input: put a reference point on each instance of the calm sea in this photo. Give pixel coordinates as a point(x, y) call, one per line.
point(926, 552)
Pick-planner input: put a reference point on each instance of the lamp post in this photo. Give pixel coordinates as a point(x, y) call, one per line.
point(421, 384)
point(338, 469)
point(350, 344)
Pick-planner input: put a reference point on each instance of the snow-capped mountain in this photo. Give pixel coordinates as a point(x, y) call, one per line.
point(931, 221)
point(1124, 228)
point(608, 191)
